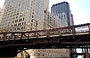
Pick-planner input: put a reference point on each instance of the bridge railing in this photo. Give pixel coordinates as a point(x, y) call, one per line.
point(64, 31)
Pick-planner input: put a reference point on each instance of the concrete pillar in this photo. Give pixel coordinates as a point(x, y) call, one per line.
point(22, 54)
point(72, 54)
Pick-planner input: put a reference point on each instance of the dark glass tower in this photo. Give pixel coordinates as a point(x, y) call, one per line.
point(62, 7)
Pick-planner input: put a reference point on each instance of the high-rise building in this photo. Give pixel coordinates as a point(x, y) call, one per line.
point(62, 11)
point(23, 15)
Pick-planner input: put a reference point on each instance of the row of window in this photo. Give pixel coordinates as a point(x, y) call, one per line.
point(19, 28)
point(8, 22)
point(21, 19)
point(19, 24)
point(13, 16)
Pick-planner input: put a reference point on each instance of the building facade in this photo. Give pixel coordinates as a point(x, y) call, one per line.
point(50, 21)
point(23, 15)
point(64, 9)
point(63, 19)
point(45, 53)
point(0, 18)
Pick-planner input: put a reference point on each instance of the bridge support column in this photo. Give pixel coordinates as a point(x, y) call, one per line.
point(85, 50)
point(72, 54)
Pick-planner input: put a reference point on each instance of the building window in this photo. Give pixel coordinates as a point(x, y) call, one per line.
point(16, 17)
point(15, 24)
point(32, 16)
point(18, 28)
point(19, 4)
point(20, 20)
point(16, 21)
point(32, 20)
point(23, 19)
point(19, 24)
point(22, 23)
point(15, 28)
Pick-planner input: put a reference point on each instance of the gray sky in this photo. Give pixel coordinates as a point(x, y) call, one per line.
point(79, 8)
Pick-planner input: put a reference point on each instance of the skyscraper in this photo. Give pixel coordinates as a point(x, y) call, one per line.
point(23, 15)
point(62, 11)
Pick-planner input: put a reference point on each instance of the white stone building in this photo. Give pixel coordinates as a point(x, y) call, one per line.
point(45, 53)
point(23, 15)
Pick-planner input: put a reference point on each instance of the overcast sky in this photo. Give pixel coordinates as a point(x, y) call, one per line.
point(79, 8)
